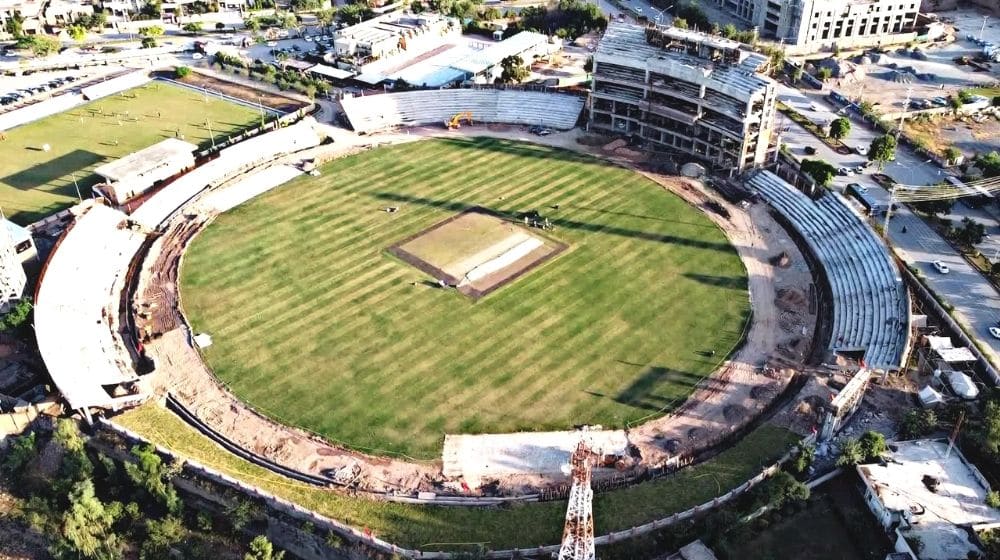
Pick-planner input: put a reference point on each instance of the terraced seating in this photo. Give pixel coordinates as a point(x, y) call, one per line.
point(871, 309)
point(413, 108)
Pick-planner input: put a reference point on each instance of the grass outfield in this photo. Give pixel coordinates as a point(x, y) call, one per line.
point(315, 324)
point(523, 526)
point(34, 183)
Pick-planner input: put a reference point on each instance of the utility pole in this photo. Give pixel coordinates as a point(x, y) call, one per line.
point(902, 114)
point(888, 213)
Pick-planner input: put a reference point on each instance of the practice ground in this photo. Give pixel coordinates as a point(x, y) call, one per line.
point(315, 324)
point(35, 183)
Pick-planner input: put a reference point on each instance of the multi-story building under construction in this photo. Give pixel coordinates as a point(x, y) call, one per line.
point(686, 93)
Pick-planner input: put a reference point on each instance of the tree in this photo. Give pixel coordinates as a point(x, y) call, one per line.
point(990, 164)
point(86, 530)
point(39, 45)
point(951, 154)
point(934, 207)
point(148, 43)
point(68, 435)
point(783, 489)
point(354, 13)
point(970, 233)
point(151, 31)
point(955, 102)
point(680, 23)
point(182, 72)
point(804, 459)
point(262, 549)
point(693, 15)
point(21, 452)
point(850, 453)
point(19, 315)
point(77, 32)
point(149, 473)
point(965, 96)
point(326, 17)
point(192, 27)
point(882, 149)
point(825, 74)
point(840, 128)
point(161, 537)
point(729, 31)
point(873, 445)
point(252, 24)
point(918, 423)
point(15, 25)
point(821, 171)
point(993, 499)
point(797, 74)
point(514, 70)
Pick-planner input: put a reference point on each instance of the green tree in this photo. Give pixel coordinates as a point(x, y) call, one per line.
point(161, 536)
point(148, 43)
point(39, 45)
point(970, 233)
point(192, 27)
point(965, 96)
point(797, 74)
point(182, 72)
point(873, 445)
point(18, 316)
point(151, 474)
point(882, 150)
point(851, 453)
point(15, 25)
point(993, 499)
point(354, 13)
point(821, 171)
point(514, 70)
point(934, 207)
point(67, 435)
point(77, 32)
point(951, 154)
point(21, 452)
point(262, 549)
point(918, 422)
point(729, 31)
point(252, 24)
point(680, 23)
point(326, 17)
point(151, 31)
point(86, 529)
point(955, 102)
point(989, 163)
point(783, 489)
point(804, 459)
point(825, 73)
point(840, 128)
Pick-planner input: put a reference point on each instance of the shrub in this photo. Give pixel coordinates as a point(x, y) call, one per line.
point(182, 72)
point(918, 423)
point(993, 499)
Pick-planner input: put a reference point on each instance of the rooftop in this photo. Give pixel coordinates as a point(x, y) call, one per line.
point(938, 517)
point(139, 163)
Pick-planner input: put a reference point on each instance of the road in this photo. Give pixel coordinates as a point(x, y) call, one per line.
point(976, 302)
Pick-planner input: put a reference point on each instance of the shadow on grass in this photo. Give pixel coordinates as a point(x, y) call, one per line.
point(561, 222)
point(58, 168)
point(731, 282)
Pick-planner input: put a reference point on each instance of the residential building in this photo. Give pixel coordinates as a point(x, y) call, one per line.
point(28, 12)
point(812, 25)
point(60, 13)
point(927, 492)
point(393, 33)
point(12, 277)
point(685, 93)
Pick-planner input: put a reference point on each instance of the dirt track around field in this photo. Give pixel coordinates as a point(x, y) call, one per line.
point(777, 340)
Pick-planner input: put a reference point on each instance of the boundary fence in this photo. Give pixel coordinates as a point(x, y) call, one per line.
point(280, 505)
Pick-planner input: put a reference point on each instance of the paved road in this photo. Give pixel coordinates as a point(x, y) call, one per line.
point(975, 300)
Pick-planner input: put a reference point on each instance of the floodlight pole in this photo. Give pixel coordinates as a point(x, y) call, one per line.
point(888, 213)
point(983, 28)
point(260, 105)
point(77, 186)
point(208, 123)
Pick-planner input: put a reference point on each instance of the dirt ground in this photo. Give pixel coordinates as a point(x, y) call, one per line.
point(254, 96)
point(16, 541)
point(776, 342)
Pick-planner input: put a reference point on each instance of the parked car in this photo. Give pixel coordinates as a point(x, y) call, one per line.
point(941, 267)
point(845, 171)
point(861, 149)
point(995, 332)
point(858, 187)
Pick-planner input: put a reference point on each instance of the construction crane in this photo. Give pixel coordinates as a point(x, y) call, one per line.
point(456, 121)
point(578, 534)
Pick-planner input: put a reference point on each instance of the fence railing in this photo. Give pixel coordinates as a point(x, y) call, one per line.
point(319, 521)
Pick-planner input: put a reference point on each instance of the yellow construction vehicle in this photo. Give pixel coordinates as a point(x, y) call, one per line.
point(456, 121)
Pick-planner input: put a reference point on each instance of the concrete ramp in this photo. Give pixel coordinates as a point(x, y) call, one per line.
point(480, 457)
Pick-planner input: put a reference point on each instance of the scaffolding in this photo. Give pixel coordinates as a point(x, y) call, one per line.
point(578, 534)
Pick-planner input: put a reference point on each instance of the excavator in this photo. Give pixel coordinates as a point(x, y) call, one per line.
point(456, 121)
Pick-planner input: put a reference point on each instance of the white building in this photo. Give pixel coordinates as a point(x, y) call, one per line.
point(922, 491)
point(139, 171)
point(393, 33)
point(28, 11)
point(686, 93)
point(60, 13)
point(12, 277)
point(812, 25)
